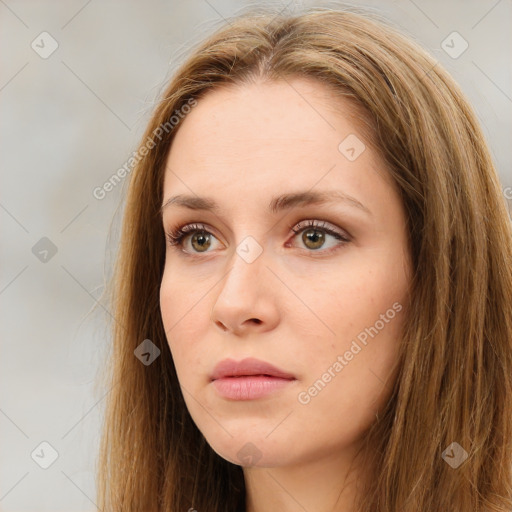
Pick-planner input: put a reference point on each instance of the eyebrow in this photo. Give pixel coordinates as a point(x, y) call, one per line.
point(277, 204)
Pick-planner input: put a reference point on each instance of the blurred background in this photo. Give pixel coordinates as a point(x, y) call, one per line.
point(78, 82)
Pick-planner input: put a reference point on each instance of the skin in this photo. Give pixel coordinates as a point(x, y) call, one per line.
point(293, 306)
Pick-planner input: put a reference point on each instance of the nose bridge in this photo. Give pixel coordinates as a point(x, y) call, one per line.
point(245, 292)
point(246, 269)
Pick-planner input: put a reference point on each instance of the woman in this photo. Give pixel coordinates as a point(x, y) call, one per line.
point(312, 296)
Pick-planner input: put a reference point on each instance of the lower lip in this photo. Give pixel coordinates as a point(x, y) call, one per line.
point(250, 387)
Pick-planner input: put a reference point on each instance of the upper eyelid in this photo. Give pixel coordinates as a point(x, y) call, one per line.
point(316, 223)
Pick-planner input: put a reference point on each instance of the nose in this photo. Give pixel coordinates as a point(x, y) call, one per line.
point(246, 300)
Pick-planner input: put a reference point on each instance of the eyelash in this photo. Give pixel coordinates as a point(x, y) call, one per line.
point(175, 237)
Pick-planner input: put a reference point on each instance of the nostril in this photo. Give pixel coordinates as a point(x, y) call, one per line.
point(221, 325)
point(256, 320)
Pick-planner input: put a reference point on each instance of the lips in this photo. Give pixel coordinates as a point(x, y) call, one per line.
point(248, 367)
point(249, 379)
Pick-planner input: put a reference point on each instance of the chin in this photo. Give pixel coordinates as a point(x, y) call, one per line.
point(249, 451)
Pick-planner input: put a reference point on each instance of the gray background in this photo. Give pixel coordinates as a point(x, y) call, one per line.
point(68, 122)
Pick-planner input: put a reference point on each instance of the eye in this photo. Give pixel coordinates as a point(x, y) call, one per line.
point(314, 236)
point(200, 237)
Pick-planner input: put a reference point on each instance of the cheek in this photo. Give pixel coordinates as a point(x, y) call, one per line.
point(182, 302)
point(180, 313)
point(168, 305)
point(358, 303)
point(342, 395)
point(353, 364)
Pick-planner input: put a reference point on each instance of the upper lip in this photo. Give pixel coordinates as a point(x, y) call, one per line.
point(245, 367)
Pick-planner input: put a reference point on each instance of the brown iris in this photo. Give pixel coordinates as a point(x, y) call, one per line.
point(202, 239)
point(313, 236)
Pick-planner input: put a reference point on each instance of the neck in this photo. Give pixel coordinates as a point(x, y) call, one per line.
point(326, 484)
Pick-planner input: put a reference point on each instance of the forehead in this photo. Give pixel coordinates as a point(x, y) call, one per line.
point(264, 138)
point(297, 107)
point(285, 120)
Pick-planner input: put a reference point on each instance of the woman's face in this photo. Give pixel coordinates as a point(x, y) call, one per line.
point(324, 304)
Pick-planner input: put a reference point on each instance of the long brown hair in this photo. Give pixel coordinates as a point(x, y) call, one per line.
point(454, 382)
